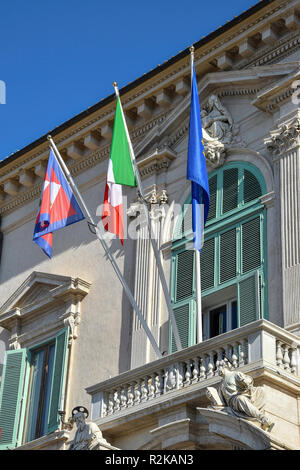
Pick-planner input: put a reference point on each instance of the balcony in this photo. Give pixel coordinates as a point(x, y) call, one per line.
point(136, 407)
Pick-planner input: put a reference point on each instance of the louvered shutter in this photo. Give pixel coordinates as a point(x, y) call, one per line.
point(252, 189)
point(251, 245)
point(184, 274)
point(207, 262)
point(228, 255)
point(248, 299)
point(187, 223)
point(61, 344)
point(11, 396)
point(213, 198)
point(185, 321)
point(230, 189)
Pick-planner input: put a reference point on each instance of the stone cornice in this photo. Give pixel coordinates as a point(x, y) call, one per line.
point(205, 55)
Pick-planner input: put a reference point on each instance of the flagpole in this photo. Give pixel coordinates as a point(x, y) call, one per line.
point(105, 247)
point(151, 234)
point(197, 252)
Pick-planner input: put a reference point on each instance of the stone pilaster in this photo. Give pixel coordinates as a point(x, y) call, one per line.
point(284, 144)
point(147, 287)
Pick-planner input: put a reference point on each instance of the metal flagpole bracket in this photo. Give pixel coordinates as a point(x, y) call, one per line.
point(92, 227)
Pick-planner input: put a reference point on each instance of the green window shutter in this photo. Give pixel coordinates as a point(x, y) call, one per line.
point(185, 321)
point(251, 245)
point(213, 197)
point(252, 189)
point(228, 255)
point(248, 299)
point(61, 345)
point(230, 189)
point(11, 396)
point(207, 264)
point(184, 275)
point(187, 221)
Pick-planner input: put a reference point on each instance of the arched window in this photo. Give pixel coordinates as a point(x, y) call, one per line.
point(233, 264)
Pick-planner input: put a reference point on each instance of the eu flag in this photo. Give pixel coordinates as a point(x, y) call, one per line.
point(58, 206)
point(196, 168)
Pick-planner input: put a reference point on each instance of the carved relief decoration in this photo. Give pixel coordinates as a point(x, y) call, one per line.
point(219, 132)
point(284, 138)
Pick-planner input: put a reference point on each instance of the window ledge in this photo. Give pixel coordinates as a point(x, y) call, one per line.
point(54, 441)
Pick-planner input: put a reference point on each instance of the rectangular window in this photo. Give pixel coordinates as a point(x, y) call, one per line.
point(41, 371)
point(32, 379)
point(219, 319)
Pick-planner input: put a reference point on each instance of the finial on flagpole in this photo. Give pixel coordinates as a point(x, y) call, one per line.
point(49, 137)
point(192, 49)
point(115, 85)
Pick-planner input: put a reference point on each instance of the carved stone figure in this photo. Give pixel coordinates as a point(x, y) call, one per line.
point(237, 395)
point(217, 130)
point(216, 121)
point(88, 435)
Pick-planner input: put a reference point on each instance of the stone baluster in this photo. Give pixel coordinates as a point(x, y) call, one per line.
point(123, 397)
point(138, 393)
point(286, 358)
point(202, 374)
point(242, 356)
point(179, 375)
point(188, 373)
point(196, 370)
point(228, 352)
point(110, 407)
point(104, 405)
point(117, 399)
point(279, 355)
point(152, 386)
point(145, 390)
point(210, 366)
point(219, 360)
point(159, 383)
point(294, 361)
point(234, 356)
point(130, 394)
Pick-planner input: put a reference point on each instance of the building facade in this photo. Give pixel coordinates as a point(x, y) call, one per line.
point(68, 334)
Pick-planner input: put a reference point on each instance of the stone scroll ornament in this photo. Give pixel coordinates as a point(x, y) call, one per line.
point(238, 397)
point(88, 435)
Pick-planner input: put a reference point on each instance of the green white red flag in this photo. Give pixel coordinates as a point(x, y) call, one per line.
point(120, 172)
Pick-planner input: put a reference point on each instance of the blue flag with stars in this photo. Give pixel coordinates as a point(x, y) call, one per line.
point(196, 168)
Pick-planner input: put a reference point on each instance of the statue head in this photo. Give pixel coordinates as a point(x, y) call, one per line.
point(213, 101)
point(79, 415)
point(224, 366)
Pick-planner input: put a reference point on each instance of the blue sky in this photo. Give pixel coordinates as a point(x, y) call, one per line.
point(58, 58)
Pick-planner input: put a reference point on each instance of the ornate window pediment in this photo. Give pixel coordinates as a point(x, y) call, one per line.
point(42, 316)
point(43, 304)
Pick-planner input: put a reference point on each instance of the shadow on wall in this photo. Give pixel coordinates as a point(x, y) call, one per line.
point(4, 335)
point(127, 310)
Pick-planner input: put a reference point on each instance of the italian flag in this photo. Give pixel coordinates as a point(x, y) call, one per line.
point(120, 172)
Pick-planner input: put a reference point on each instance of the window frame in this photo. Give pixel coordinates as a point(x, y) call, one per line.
point(235, 218)
point(30, 355)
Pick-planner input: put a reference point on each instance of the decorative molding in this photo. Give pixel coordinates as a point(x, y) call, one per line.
point(39, 295)
point(268, 200)
point(159, 160)
point(285, 138)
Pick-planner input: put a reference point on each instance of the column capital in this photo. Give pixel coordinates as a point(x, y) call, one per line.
point(286, 137)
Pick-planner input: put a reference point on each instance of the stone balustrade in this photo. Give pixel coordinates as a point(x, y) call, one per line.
point(260, 344)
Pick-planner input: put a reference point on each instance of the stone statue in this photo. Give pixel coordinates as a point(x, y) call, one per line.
point(217, 130)
point(216, 121)
point(88, 435)
point(237, 396)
